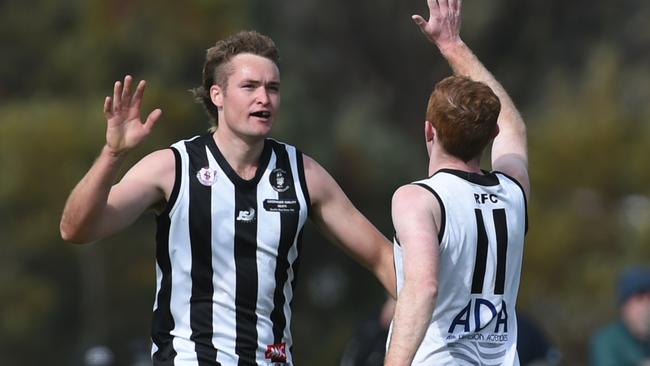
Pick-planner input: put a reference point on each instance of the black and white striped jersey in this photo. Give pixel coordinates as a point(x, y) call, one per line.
point(227, 257)
point(481, 241)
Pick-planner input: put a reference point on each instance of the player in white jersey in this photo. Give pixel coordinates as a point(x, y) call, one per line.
point(230, 205)
point(460, 233)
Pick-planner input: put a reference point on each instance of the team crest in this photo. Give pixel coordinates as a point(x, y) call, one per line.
point(278, 180)
point(207, 176)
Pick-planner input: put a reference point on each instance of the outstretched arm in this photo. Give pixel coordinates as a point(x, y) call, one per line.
point(343, 224)
point(96, 208)
point(509, 150)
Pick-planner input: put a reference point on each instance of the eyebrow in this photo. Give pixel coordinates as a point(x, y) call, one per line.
point(257, 82)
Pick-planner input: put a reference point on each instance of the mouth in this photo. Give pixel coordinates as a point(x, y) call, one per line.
point(261, 114)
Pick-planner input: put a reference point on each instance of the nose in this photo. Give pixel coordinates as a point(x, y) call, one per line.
point(262, 96)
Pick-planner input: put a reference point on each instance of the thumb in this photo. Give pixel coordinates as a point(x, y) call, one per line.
point(152, 119)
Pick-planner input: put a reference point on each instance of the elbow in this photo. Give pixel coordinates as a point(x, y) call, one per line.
point(71, 233)
point(429, 290)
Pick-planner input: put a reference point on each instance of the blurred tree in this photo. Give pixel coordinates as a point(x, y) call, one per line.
point(356, 77)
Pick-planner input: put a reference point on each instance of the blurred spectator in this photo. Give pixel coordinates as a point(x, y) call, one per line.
point(626, 341)
point(533, 347)
point(367, 347)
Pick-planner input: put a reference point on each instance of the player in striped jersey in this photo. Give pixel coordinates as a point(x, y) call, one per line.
point(230, 208)
point(460, 233)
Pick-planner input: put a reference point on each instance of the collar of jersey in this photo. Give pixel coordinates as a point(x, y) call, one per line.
point(485, 179)
point(238, 181)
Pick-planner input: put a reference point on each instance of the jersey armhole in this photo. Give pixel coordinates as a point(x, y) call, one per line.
point(523, 194)
point(443, 216)
point(177, 184)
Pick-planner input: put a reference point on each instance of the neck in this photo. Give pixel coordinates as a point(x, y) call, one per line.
point(442, 160)
point(243, 155)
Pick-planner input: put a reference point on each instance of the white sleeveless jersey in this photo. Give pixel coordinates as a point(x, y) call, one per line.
point(227, 258)
point(481, 238)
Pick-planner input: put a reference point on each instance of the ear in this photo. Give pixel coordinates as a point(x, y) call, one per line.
point(216, 95)
point(429, 133)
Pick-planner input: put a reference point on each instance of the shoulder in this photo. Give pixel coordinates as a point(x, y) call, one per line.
point(607, 334)
point(160, 160)
point(315, 173)
point(517, 172)
point(320, 183)
point(158, 168)
point(412, 198)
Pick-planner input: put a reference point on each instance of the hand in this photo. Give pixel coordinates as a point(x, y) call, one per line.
point(443, 27)
point(125, 129)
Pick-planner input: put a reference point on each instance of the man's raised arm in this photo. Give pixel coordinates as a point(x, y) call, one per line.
point(96, 208)
point(509, 150)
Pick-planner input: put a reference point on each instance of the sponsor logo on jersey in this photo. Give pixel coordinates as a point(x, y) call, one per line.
point(246, 215)
point(477, 315)
point(282, 206)
point(207, 176)
point(276, 352)
point(278, 180)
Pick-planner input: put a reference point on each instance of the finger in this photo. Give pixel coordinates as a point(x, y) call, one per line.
point(152, 118)
point(433, 5)
point(117, 95)
point(419, 21)
point(444, 7)
point(126, 91)
point(107, 104)
point(457, 4)
point(136, 101)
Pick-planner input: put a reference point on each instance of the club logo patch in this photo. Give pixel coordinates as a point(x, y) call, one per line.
point(276, 352)
point(246, 215)
point(278, 180)
point(207, 176)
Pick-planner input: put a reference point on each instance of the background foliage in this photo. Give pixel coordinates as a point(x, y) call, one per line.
point(356, 76)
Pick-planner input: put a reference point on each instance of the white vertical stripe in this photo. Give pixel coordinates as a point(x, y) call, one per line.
point(180, 254)
point(268, 239)
point(293, 252)
point(223, 265)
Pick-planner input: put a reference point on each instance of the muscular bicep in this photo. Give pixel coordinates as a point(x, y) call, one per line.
point(145, 186)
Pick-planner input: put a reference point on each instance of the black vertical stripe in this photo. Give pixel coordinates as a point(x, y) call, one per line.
point(501, 228)
point(246, 273)
point(481, 254)
point(296, 266)
point(288, 228)
point(200, 230)
point(162, 322)
point(303, 181)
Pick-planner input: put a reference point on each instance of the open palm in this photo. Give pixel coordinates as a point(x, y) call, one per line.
point(443, 26)
point(125, 129)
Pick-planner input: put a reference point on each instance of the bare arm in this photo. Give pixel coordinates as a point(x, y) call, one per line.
point(337, 217)
point(415, 215)
point(96, 208)
point(509, 150)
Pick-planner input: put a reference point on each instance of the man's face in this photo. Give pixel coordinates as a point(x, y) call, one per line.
point(636, 314)
point(249, 105)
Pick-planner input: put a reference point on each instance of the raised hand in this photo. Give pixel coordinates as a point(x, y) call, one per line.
point(443, 26)
point(125, 129)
